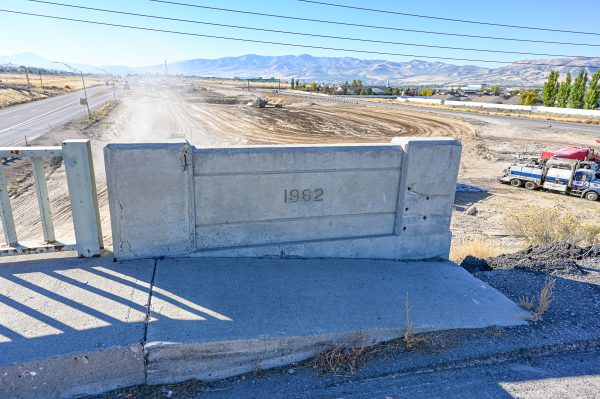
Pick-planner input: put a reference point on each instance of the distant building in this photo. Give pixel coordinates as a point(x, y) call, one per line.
point(476, 86)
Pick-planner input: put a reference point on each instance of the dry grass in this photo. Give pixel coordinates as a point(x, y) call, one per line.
point(409, 334)
point(98, 114)
point(527, 303)
point(52, 85)
point(478, 248)
point(543, 301)
point(547, 225)
point(51, 82)
point(339, 359)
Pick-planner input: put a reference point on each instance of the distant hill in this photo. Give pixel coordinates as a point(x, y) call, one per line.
point(307, 67)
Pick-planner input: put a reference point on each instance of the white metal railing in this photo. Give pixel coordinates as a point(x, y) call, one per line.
point(77, 157)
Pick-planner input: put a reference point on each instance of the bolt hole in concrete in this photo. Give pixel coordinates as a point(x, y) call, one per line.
point(406, 209)
point(404, 228)
point(424, 217)
point(409, 189)
point(427, 198)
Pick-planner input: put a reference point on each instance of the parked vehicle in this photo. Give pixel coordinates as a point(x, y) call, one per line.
point(579, 153)
point(563, 175)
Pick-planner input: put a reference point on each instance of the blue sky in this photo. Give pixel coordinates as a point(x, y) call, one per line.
point(89, 44)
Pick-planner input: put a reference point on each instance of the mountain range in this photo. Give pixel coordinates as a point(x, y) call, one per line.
point(336, 69)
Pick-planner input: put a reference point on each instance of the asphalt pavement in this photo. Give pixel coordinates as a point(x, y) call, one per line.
point(35, 118)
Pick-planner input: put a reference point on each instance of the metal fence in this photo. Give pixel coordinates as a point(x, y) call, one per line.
point(77, 157)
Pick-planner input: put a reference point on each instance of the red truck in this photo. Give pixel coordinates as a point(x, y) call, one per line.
point(578, 153)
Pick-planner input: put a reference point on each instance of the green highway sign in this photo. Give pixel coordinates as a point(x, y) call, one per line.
point(261, 80)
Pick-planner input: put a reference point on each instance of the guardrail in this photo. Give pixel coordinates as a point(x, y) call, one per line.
point(81, 183)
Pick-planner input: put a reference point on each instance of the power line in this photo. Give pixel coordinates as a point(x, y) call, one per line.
point(465, 21)
point(371, 26)
point(282, 43)
point(299, 33)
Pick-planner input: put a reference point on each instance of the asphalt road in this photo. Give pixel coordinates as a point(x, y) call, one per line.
point(34, 118)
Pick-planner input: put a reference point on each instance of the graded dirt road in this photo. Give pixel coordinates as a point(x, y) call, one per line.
point(211, 116)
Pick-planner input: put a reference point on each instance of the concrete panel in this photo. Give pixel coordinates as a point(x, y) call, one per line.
point(351, 201)
point(284, 158)
point(284, 311)
point(263, 195)
point(427, 186)
point(376, 247)
point(150, 190)
point(290, 230)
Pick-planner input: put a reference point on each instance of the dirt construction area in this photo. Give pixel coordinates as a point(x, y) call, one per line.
point(217, 116)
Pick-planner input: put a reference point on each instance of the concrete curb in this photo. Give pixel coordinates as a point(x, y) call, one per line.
point(75, 375)
point(170, 363)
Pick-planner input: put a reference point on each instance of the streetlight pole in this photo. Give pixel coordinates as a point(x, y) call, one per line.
point(112, 77)
point(82, 81)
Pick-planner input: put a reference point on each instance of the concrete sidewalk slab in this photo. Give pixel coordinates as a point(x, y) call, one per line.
point(241, 314)
point(70, 327)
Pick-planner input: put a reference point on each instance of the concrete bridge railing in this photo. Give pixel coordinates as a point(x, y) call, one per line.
point(82, 192)
point(390, 201)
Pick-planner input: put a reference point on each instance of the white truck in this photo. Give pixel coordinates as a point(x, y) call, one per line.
point(566, 176)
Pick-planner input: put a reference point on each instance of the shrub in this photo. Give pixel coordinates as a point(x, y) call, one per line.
point(547, 225)
point(529, 97)
point(478, 248)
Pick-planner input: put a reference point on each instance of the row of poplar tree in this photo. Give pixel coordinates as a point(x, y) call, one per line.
point(575, 94)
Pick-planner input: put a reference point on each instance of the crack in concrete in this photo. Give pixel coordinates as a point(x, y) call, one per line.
point(147, 319)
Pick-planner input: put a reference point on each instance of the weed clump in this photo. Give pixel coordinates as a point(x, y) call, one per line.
point(339, 360)
point(547, 225)
point(543, 301)
point(478, 248)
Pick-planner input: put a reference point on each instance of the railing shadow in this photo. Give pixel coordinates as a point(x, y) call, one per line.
point(53, 307)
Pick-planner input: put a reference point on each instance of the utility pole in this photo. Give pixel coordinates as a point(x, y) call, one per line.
point(27, 75)
point(82, 81)
point(112, 77)
point(41, 83)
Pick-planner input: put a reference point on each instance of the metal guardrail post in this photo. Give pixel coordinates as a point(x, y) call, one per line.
point(81, 181)
point(41, 190)
point(8, 222)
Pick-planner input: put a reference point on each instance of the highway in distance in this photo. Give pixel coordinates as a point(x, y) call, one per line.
point(34, 118)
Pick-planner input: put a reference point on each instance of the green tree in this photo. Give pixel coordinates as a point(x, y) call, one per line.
point(564, 91)
point(369, 91)
point(363, 92)
point(592, 95)
point(427, 92)
point(292, 83)
point(313, 85)
point(495, 90)
point(528, 97)
point(578, 91)
point(550, 89)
